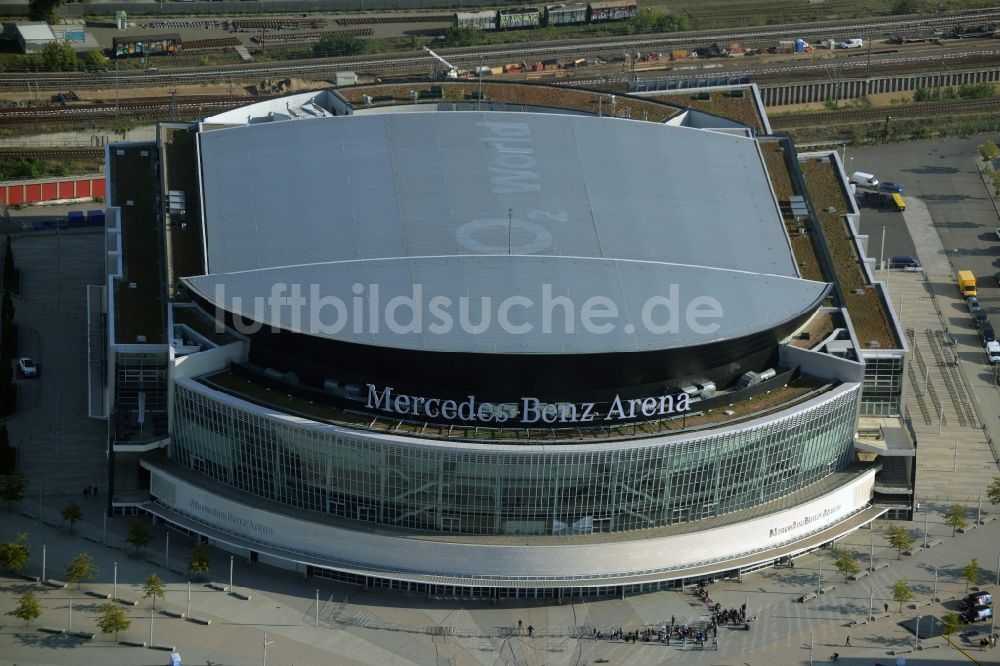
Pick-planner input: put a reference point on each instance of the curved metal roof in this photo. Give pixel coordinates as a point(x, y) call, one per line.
point(513, 304)
point(490, 204)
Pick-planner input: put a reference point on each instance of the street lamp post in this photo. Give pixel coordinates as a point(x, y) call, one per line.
point(43, 563)
point(188, 613)
point(230, 573)
point(926, 516)
point(114, 593)
point(934, 598)
point(166, 552)
point(317, 608)
point(871, 606)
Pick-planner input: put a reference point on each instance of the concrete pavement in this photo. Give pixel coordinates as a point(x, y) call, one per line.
point(391, 627)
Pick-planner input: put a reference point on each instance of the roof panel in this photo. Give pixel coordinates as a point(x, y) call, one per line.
point(430, 184)
point(649, 303)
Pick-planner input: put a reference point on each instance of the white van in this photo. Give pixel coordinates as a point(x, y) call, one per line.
point(853, 43)
point(864, 179)
point(993, 351)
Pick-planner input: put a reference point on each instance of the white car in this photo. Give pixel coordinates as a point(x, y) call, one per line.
point(854, 43)
point(27, 367)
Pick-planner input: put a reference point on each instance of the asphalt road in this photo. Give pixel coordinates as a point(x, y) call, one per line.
point(943, 173)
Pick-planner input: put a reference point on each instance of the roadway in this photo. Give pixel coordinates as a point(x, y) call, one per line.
point(942, 173)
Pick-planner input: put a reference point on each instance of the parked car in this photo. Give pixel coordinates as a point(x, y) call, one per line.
point(987, 334)
point(997, 232)
point(26, 367)
point(979, 317)
point(977, 599)
point(903, 262)
point(853, 43)
point(891, 187)
point(973, 303)
point(993, 352)
point(997, 278)
point(976, 614)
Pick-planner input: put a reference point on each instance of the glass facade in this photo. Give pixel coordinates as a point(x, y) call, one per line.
point(883, 386)
point(482, 489)
point(140, 395)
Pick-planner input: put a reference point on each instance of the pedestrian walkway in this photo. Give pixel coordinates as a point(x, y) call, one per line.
point(357, 626)
point(950, 396)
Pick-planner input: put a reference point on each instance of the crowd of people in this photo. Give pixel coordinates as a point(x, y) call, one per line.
point(667, 634)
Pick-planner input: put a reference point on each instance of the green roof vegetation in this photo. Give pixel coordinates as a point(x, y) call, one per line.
point(868, 314)
point(140, 311)
point(515, 93)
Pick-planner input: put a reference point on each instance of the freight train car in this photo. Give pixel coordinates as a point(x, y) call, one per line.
point(145, 45)
point(613, 10)
point(485, 20)
point(566, 14)
point(521, 17)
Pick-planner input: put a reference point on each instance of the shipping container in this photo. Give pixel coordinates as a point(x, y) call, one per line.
point(146, 45)
point(522, 17)
point(566, 14)
point(614, 10)
point(485, 20)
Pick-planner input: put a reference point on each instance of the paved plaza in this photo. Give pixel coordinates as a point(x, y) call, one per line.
point(381, 627)
point(955, 411)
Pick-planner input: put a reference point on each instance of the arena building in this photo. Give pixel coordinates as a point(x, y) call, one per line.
point(526, 345)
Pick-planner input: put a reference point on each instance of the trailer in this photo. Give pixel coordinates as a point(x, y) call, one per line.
point(521, 17)
point(566, 14)
point(145, 45)
point(484, 20)
point(613, 10)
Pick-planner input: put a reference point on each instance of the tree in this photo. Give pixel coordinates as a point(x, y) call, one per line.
point(153, 587)
point(71, 513)
point(970, 572)
point(138, 535)
point(949, 623)
point(15, 554)
point(12, 489)
point(81, 568)
point(28, 608)
point(44, 10)
point(123, 127)
point(59, 57)
point(901, 592)
point(955, 517)
point(846, 563)
point(988, 151)
point(993, 492)
point(341, 45)
point(113, 619)
point(198, 563)
point(899, 538)
point(93, 61)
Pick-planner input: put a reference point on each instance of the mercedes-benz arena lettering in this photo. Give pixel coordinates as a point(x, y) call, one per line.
point(490, 351)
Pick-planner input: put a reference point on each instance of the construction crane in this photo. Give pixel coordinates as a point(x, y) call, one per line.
point(450, 71)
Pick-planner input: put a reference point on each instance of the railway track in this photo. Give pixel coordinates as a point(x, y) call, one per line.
point(414, 62)
point(922, 110)
point(132, 108)
point(51, 153)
